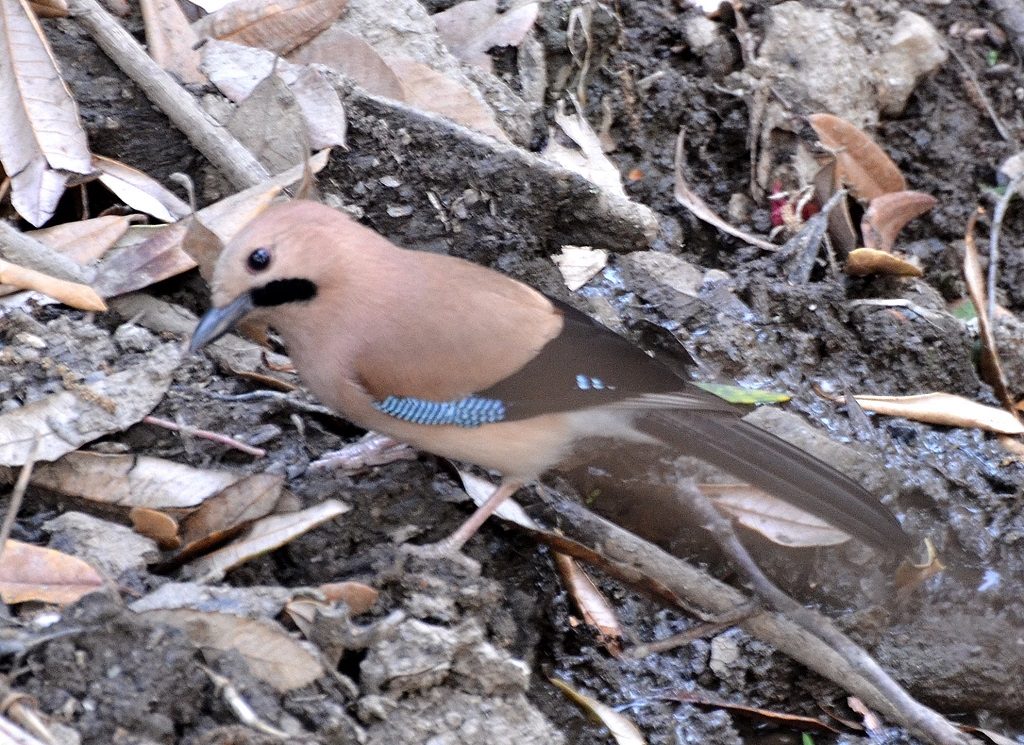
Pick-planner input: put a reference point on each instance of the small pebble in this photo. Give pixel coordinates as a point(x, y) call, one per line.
point(132, 338)
point(399, 210)
point(391, 182)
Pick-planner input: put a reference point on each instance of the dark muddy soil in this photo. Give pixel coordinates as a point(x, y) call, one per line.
point(957, 642)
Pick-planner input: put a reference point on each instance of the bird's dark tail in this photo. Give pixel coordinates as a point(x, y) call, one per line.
point(784, 470)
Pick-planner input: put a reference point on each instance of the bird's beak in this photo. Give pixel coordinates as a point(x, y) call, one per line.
point(218, 321)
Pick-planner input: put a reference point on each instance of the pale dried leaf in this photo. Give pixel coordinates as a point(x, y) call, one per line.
point(272, 655)
point(428, 90)
point(159, 526)
point(589, 160)
point(279, 26)
point(139, 191)
point(888, 213)
point(778, 521)
point(840, 223)
point(64, 421)
point(322, 110)
point(865, 261)
point(472, 27)
point(12, 734)
point(862, 165)
point(597, 612)
point(131, 480)
point(269, 123)
point(73, 294)
point(480, 490)
point(42, 136)
point(41, 574)
point(991, 366)
point(202, 245)
point(579, 264)
point(354, 58)
point(267, 535)
point(84, 241)
point(170, 40)
point(687, 197)
point(944, 409)
point(621, 726)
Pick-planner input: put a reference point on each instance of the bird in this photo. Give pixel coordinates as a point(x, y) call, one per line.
point(462, 361)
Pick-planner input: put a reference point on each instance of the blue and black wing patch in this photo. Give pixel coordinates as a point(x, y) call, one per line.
point(471, 411)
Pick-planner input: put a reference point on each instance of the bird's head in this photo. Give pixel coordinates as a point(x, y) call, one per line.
point(274, 263)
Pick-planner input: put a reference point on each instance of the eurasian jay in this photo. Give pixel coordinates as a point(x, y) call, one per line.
point(466, 363)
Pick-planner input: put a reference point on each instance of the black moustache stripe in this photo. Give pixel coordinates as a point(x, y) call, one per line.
point(282, 291)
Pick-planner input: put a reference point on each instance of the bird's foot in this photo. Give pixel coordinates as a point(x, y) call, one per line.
point(372, 450)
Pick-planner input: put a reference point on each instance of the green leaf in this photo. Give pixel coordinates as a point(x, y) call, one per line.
point(806, 739)
point(736, 395)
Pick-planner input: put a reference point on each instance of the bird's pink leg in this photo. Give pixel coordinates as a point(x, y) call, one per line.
point(449, 547)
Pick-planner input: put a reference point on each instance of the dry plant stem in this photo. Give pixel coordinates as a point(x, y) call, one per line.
point(980, 93)
point(23, 250)
point(993, 244)
point(667, 576)
point(209, 138)
point(701, 631)
point(204, 434)
point(17, 495)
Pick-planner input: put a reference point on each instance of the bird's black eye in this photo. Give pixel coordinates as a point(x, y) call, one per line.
point(259, 260)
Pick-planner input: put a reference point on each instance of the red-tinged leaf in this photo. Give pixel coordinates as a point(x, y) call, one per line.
point(888, 213)
point(863, 262)
point(73, 294)
point(85, 241)
point(862, 164)
point(41, 574)
point(279, 26)
point(160, 526)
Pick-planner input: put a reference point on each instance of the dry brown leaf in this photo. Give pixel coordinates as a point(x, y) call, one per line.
point(579, 264)
point(73, 294)
point(355, 59)
point(863, 165)
point(621, 726)
point(773, 518)
point(65, 421)
point(472, 27)
point(201, 245)
point(131, 480)
point(865, 261)
point(144, 255)
point(228, 512)
point(358, 597)
point(84, 241)
point(597, 612)
point(159, 526)
point(888, 213)
point(687, 197)
point(272, 655)
point(269, 122)
point(42, 138)
point(139, 191)
point(49, 8)
point(41, 574)
point(704, 698)
point(170, 40)
point(429, 90)
point(840, 224)
point(267, 535)
point(279, 26)
point(944, 409)
point(991, 367)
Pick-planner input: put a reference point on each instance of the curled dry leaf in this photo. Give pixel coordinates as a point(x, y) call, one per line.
point(589, 160)
point(888, 213)
point(159, 526)
point(84, 241)
point(354, 58)
point(266, 535)
point(597, 612)
point(621, 726)
point(229, 511)
point(358, 597)
point(472, 27)
point(687, 197)
point(272, 655)
point(991, 367)
point(139, 191)
point(773, 518)
point(944, 409)
point(579, 264)
point(278, 26)
point(170, 40)
point(42, 138)
point(840, 224)
point(866, 261)
point(41, 574)
point(73, 294)
point(862, 165)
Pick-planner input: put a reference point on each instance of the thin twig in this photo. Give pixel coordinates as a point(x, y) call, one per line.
point(993, 243)
point(214, 141)
point(700, 631)
point(989, 108)
point(18, 494)
point(205, 434)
